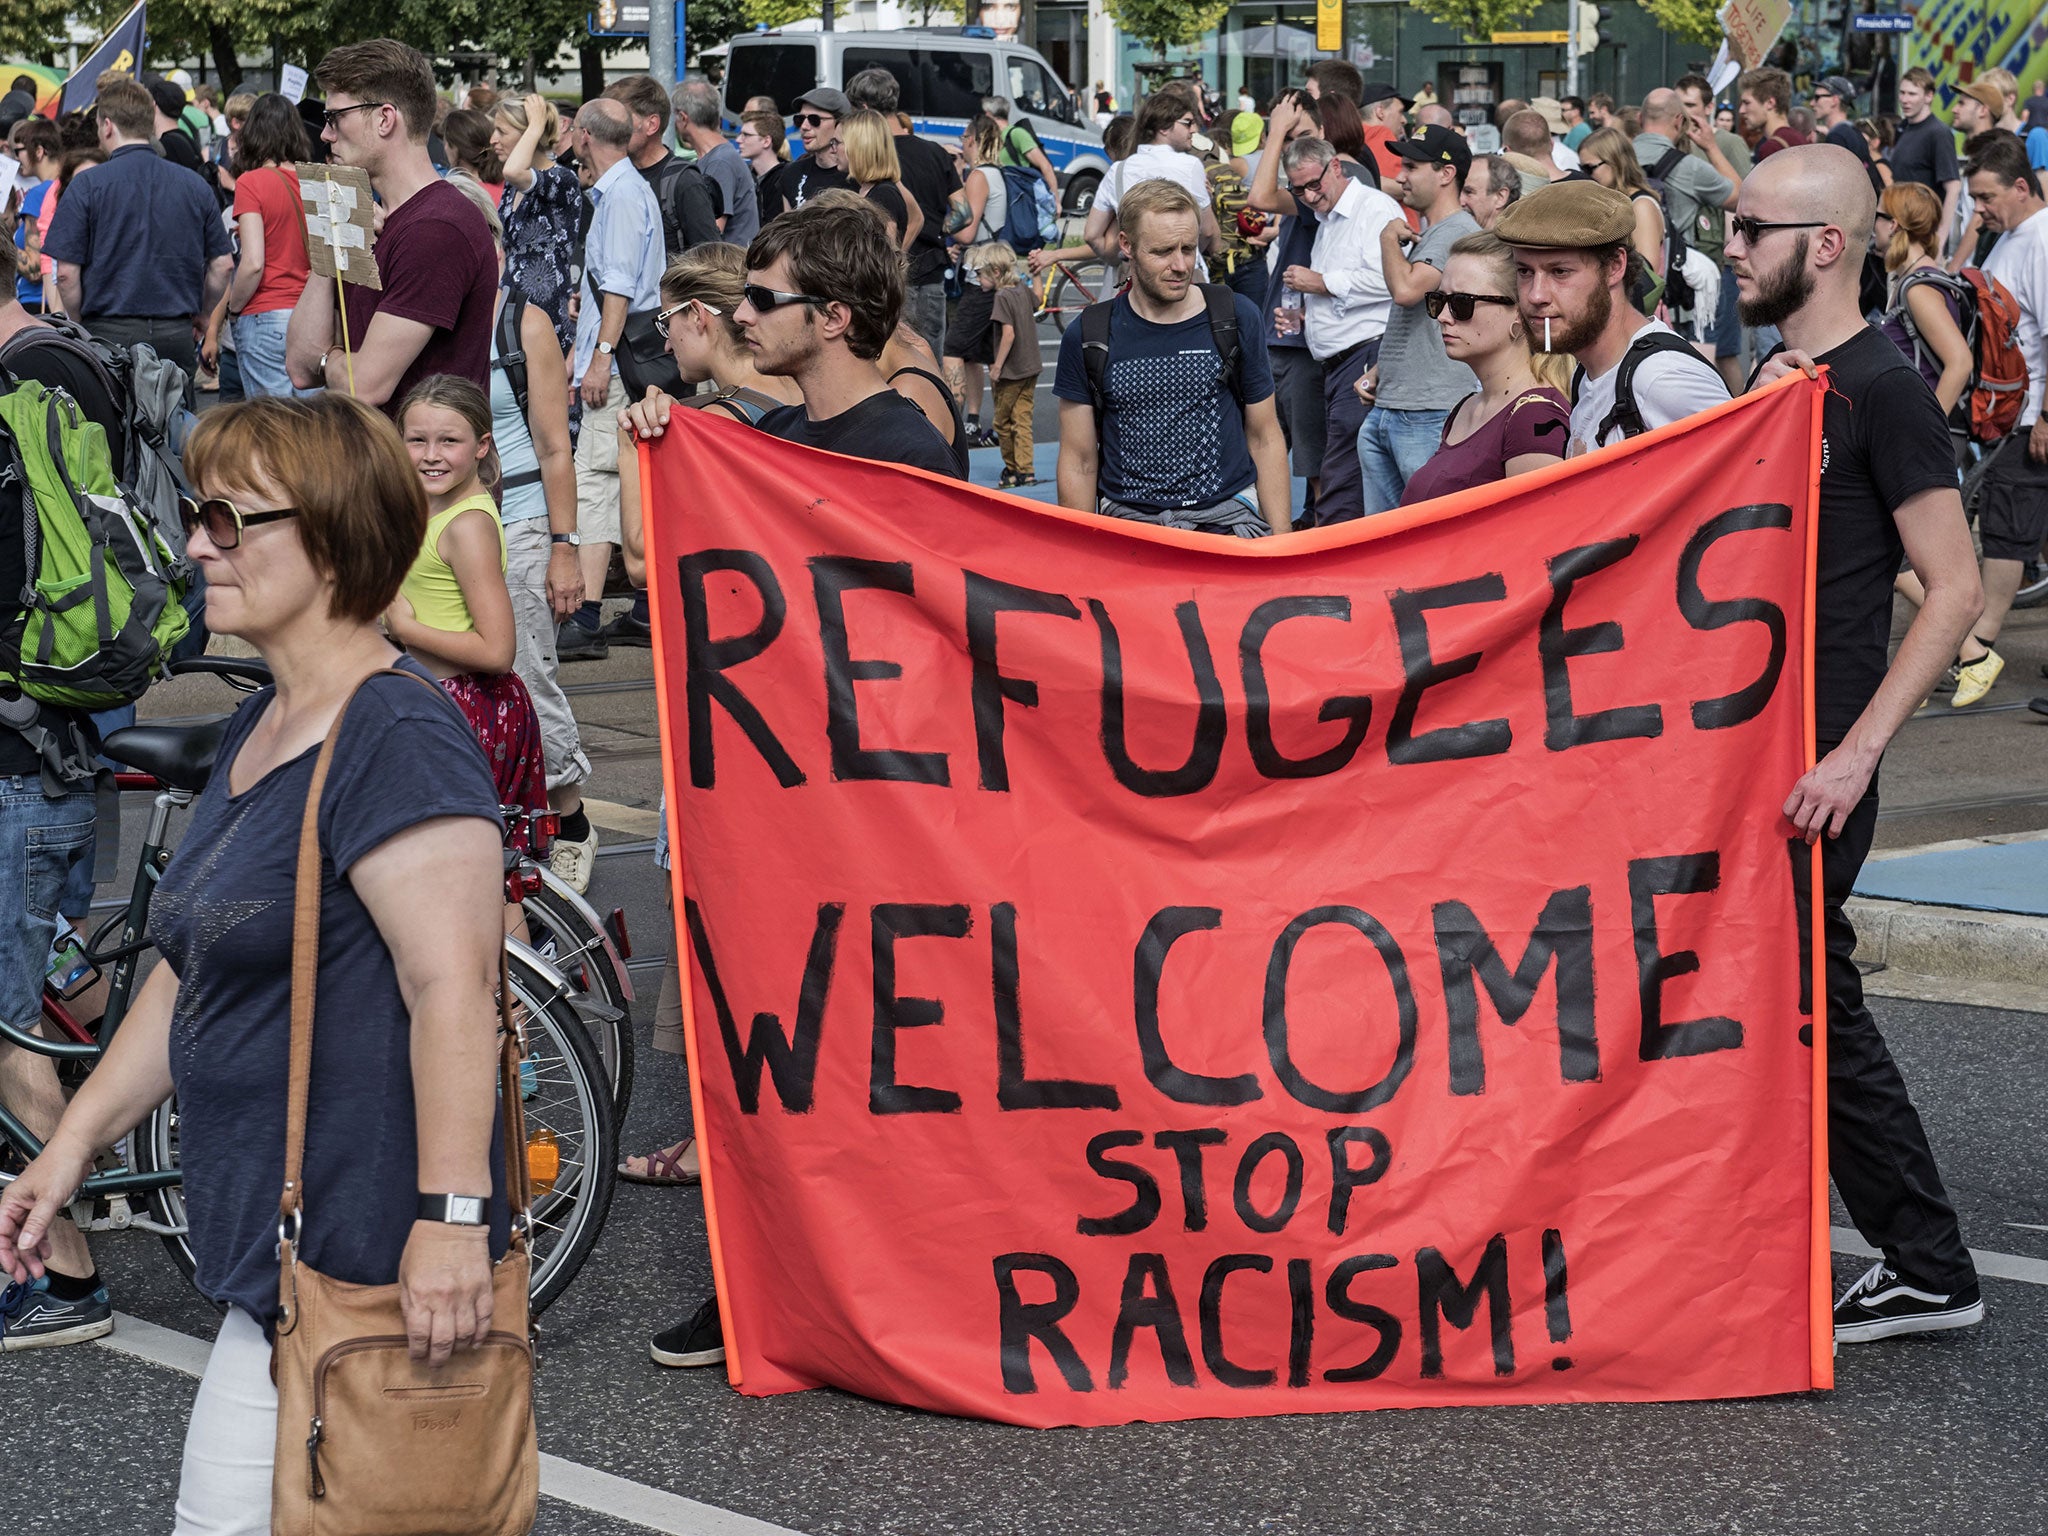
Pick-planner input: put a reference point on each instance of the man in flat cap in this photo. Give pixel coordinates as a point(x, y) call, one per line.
point(1573, 260)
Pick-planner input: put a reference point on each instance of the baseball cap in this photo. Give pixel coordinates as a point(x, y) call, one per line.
point(1377, 91)
point(1245, 130)
point(827, 100)
point(1434, 144)
point(1837, 86)
point(1989, 96)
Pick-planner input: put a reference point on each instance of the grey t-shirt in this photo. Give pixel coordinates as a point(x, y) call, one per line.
point(1414, 373)
point(725, 166)
point(1693, 192)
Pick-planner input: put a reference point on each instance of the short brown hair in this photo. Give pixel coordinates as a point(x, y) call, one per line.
point(362, 510)
point(1153, 195)
point(769, 126)
point(38, 134)
point(642, 96)
point(129, 107)
point(1917, 76)
point(1773, 87)
point(1335, 77)
point(383, 69)
point(843, 255)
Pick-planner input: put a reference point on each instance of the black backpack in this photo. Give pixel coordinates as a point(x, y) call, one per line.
point(1626, 413)
point(1678, 293)
point(1222, 309)
point(511, 361)
point(689, 207)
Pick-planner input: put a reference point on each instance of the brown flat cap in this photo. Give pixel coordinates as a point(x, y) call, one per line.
point(1568, 215)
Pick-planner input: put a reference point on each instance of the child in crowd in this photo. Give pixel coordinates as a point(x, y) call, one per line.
point(1017, 363)
point(453, 612)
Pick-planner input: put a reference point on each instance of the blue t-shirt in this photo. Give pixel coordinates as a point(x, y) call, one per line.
point(1172, 431)
point(223, 919)
point(30, 289)
point(2037, 148)
point(142, 230)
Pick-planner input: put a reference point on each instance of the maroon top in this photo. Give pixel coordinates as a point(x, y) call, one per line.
point(1536, 421)
point(440, 268)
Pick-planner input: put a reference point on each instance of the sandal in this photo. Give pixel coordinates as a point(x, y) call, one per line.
point(665, 1166)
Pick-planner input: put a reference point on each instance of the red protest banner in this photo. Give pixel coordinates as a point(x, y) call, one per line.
point(1141, 975)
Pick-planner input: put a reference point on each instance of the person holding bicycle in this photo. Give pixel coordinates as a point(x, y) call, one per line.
point(311, 514)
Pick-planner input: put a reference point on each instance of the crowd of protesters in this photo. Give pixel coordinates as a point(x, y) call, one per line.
point(1321, 312)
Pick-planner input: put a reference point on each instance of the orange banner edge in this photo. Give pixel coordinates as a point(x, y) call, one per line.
point(1820, 1293)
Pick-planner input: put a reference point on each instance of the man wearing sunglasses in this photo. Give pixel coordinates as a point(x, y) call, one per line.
point(816, 118)
point(435, 257)
point(1574, 258)
point(1887, 491)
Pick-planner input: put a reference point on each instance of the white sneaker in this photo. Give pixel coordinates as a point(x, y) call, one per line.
point(574, 863)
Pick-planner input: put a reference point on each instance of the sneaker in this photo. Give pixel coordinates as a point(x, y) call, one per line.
point(31, 1318)
point(985, 438)
point(1881, 1305)
point(627, 630)
point(574, 863)
point(700, 1341)
point(2039, 706)
point(575, 643)
point(1974, 679)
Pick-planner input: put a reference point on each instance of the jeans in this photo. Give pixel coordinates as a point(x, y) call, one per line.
point(1342, 496)
point(231, 1442)
point(1250, 277)
point(1298, 397)
point(45, 871)
point(1392, 445)
point(924, 306)
point(259, 346)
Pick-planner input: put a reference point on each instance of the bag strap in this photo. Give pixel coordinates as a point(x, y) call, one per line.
point(511, 350)
point(305, 977)
point(1221, 303)
point(1095, 357)
point(1626, 413)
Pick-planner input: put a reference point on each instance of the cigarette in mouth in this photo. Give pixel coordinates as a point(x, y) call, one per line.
point(1546, 333)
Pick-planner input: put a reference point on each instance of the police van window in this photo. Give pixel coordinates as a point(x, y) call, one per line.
point(1033, 90)
point(955, 82)
point(782, 71)
point(895, 60)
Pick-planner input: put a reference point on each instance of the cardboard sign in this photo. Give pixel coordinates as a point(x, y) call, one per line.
point(291, 83)
point(1135, 974)
point(1752, 26)
point(339, 212)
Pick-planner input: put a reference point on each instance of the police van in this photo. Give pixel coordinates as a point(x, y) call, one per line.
point(943, 72)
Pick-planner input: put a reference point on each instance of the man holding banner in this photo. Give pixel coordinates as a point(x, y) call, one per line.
point(1887, 488)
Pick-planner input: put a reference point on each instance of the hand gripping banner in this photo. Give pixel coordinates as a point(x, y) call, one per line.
point(1134, 974)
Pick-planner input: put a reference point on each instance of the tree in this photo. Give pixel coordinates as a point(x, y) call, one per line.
point(31, 28)
point(1478, 19)
point(1694, 20)
point(1168, 23)
point(711, 22)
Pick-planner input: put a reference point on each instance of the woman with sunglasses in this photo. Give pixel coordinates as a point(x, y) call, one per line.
point(1610, 159)
point(310, 516)
point(1514, 422)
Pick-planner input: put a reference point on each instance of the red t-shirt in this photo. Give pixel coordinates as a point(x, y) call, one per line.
point(440, 268)
point(1784, 138)
point(273, 193)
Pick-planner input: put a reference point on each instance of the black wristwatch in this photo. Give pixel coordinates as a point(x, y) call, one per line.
point(455, 1210)
point(573, 540)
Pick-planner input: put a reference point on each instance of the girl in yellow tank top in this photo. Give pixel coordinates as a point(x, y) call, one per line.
point(453, 611)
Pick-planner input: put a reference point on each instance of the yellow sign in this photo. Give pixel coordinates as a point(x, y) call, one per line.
point(1532, 37)
point(1330, 26)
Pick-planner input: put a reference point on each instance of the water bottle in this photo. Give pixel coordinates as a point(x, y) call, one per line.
point(1287, 320)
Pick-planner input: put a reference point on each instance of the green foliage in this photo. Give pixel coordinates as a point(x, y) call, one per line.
point(30, 28)
point(1478, 19)
point(1693, 20)
point(711, 22)
point(1168, 23)
point(778, 13)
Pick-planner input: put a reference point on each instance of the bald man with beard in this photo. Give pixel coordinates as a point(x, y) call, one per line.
point(1887, 490)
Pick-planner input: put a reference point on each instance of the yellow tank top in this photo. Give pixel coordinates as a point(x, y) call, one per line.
point(430, 585)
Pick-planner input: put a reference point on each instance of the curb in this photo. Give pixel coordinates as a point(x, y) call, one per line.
point(1952, 954)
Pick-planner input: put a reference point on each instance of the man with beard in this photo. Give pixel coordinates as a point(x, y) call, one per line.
point(1887, 488)
point(1574, 256)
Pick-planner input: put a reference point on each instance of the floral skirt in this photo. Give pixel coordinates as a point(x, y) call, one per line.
point(500, 711)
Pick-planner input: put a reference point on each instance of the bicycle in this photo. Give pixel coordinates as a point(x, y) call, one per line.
point(572, 1149)
point(1069, 285)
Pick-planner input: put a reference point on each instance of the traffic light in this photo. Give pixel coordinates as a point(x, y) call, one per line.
point(1593, 29)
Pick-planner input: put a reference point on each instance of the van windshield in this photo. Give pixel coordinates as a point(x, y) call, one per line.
point(782, 71)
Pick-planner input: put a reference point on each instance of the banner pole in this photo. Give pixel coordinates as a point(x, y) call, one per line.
point(1821, 1289)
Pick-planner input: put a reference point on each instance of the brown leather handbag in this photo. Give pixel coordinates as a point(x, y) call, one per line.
point(370, 1440)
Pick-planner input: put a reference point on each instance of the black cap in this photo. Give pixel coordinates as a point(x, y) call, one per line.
point(1434, 144)
point(1377, 91)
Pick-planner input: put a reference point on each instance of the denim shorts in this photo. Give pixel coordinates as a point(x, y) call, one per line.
point(45, 870)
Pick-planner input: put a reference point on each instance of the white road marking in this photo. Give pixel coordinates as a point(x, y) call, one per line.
point(571, 1482)
point(1999, 1266)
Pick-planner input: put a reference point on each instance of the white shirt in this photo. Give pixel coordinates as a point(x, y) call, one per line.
point(2020, 261)
point(1667, 388)
point(1564, 159)
point(1153, 162)
point(1346, 256)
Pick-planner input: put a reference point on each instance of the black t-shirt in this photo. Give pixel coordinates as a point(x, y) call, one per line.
point(1925, 152)
point(930, 177)
point(1883, 442)
point(796, 183)
point(179, 149)
point(1846, 136)
point(884, 427)
point(56, 367)
point(883, 195)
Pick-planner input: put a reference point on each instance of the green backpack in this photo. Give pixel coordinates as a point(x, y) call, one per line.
point(100, 612)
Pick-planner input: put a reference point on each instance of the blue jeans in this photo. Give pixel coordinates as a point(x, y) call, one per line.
point(1392, 445)
point(45, 870)
point(259, 350)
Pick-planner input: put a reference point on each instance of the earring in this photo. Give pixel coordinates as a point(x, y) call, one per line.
point(1517, 331)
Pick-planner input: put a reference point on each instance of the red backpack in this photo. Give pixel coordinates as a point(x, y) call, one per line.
point(1991, 322)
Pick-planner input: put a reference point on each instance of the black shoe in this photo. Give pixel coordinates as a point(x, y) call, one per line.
point(575, 643)
point(2039, 706)
point(31, 1318)
point(1881, 1306)
point(700, 1341)
point(627, 630)
point(985, 438)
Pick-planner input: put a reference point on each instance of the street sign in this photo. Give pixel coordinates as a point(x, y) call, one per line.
point(1898, 23)
point(1329, 26)
point(1505, 38)
point(621, 18)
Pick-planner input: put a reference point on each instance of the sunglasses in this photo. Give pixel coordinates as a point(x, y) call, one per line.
point(223, 520)
point(1752, 230)
point(334, 115)
point(1461, 305)
point(765, 299)
point(661, 317)
point(812, 120)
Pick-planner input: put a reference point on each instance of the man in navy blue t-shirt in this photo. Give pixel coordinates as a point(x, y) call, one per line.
point(1176, 441)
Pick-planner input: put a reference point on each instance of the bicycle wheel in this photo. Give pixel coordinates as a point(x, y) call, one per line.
point(2033, 590)
point(561, 933)
point(1078, 285)
point(569, 1131)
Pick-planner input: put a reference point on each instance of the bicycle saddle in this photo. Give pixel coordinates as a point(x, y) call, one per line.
point(178, 755)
